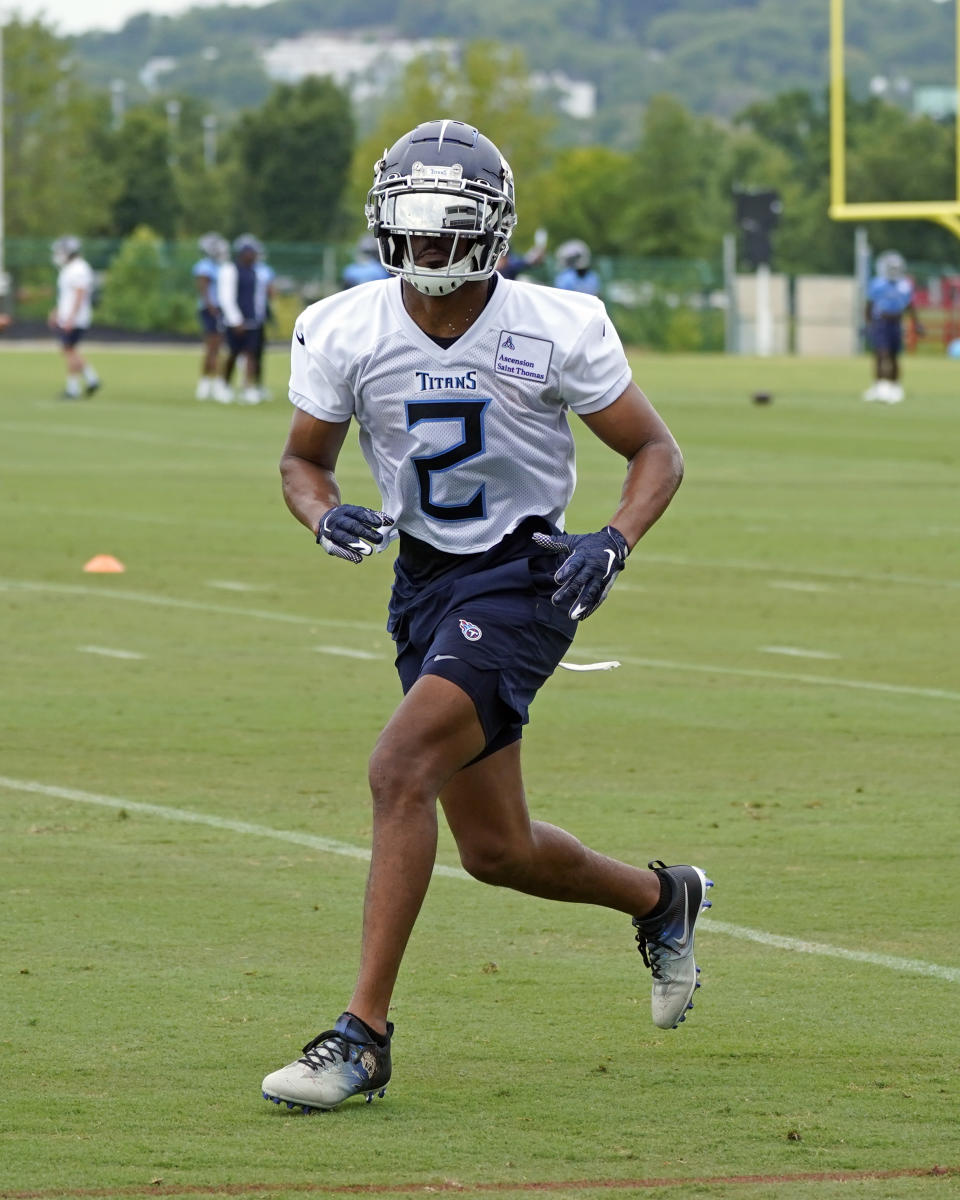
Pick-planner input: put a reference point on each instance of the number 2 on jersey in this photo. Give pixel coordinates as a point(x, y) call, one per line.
point(469, 413)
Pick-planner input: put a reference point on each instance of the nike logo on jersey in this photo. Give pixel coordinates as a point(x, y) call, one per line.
point(300, 337)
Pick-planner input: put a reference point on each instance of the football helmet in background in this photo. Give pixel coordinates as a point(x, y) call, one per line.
point(63, 249)
point(442, 180)
point(368, 247)
point(575, 255)
point(246, 242)
point(214, 246)
point(891, 265)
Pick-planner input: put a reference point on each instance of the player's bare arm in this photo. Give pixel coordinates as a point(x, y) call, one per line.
point(633, 427)
point(307, 467)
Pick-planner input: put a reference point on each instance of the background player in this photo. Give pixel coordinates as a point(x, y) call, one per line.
point(366, 265)
point(215, 250)
point(243, 293)
point(889, 300)
point(576, 274)
point(460, 381)
point(73, 314)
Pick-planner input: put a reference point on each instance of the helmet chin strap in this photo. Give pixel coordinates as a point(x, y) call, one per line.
point(441, 281)
point(433, 283)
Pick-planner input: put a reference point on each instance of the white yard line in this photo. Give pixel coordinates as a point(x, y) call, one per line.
point(736, 564)
point(149, 598)
point(866, 685)
point(797, 652)
point(346, 652)
point(106, 652)
point(107, 593)
point(232, 585)
point(798, 585)
point(889, 962)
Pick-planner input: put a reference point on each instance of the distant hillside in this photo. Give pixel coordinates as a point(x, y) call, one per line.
point(717, 55)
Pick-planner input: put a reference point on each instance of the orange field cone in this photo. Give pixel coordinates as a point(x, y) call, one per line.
point(104, 564)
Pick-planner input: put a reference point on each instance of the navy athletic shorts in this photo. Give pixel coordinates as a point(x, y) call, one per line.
point(70, 337)
point(242, 340)
point(886, 335)
point(483, 621)
point(209, 322)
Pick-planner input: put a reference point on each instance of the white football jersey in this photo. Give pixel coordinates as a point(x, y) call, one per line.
point(463, 442)
point(75, 277)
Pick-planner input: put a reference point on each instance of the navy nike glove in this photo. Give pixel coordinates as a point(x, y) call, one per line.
point(591, 562)
point(347, 531)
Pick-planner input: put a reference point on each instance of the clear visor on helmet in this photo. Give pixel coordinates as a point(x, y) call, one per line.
point(437, 213)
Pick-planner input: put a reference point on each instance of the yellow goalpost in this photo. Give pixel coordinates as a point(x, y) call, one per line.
point(944, 212)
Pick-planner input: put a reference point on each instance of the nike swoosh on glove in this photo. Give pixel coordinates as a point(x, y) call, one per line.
point(591, 562)
point(347, 531)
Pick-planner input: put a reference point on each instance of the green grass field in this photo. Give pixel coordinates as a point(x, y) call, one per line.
point(182, 774)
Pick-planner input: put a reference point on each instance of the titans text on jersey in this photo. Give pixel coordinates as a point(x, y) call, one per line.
point(482, 440)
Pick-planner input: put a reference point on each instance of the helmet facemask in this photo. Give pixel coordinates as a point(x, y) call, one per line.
point(471, 221)
point(63, 249)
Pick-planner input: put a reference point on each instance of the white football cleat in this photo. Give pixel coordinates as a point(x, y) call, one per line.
point(337, 1064)
point(221, 392)
point(666, 943)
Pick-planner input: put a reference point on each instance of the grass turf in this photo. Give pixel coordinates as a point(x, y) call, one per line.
point(154, 970)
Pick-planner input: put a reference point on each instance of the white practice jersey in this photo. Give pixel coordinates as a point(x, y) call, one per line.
point(464, 442)
point(75, 277)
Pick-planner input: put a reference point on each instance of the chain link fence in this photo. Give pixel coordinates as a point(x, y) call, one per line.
point(661, 304)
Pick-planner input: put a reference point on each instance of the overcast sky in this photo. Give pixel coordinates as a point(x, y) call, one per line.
point(77, 16)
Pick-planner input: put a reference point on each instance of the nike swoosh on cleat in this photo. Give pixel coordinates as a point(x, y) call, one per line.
point(681, 942)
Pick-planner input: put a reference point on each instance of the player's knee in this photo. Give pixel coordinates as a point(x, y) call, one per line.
point(395, 781)
point(497, 862)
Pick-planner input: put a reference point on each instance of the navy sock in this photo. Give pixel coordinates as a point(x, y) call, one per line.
point(666, 899)
point(380, 1038)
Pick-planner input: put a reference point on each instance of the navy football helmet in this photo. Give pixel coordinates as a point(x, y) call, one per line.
point(442, 180)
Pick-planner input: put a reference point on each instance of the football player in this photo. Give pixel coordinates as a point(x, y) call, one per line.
point(366, 265)
point(462, 383)
point(244, 293)
point(73, 314)
point(889, 300)
point(214, 252)
point(576, 274)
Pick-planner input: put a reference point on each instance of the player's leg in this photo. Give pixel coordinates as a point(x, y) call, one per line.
point(209, 362)
point(432, 734)
point(80, 375)
point(487, 813)
point(71, 361)
point(223, 391)
point(486, 809)
point(91, 379)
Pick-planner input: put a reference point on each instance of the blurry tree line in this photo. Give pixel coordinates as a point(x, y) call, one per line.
point(294, 170)
point(719, 55)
